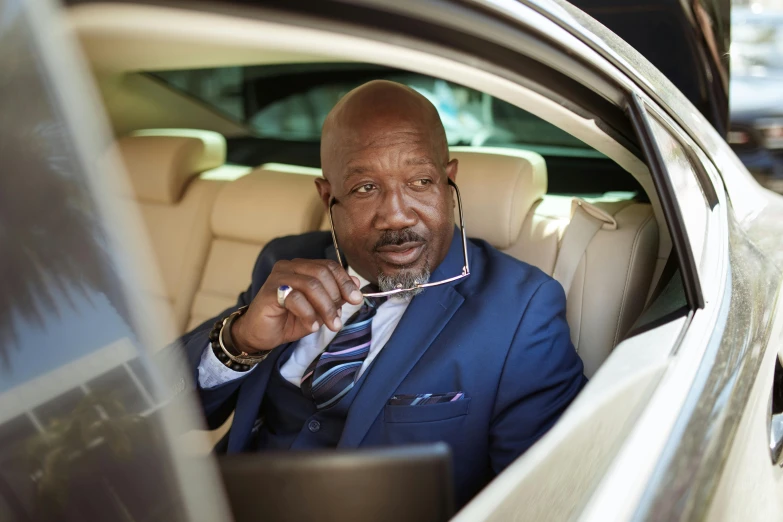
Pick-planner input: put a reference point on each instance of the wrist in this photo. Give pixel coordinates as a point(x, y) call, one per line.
point(225, 349)
point(241, 339)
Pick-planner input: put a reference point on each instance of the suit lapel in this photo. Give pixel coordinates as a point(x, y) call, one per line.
point(426, 315)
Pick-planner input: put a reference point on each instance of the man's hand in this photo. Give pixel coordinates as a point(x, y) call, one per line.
point(319, 289)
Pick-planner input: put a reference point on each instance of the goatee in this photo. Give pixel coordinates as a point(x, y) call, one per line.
point(405, 278)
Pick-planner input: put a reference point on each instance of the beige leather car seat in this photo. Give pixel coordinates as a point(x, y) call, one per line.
point(176, 207)
point(503, 192)
point(247, 214)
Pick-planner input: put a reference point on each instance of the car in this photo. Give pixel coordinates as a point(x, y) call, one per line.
point(124, 225)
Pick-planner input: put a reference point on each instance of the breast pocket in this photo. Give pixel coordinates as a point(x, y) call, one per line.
point(427, 412)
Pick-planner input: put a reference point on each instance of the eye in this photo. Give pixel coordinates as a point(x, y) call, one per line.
point(364, 189)
point(422, 182)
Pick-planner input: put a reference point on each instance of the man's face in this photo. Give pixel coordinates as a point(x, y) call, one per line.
point(394, 211)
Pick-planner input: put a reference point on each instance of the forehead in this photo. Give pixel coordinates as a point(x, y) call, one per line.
point(370, 151)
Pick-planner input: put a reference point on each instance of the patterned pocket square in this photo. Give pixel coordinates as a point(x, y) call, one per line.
point(421, 399)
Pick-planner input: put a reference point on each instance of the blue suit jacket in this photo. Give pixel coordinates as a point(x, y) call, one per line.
point(499, 335)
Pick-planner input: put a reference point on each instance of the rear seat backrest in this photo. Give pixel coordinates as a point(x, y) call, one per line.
point(248, 213)
point(160, 168)
point(610, 284)
point(497, 191)
point(611, 281)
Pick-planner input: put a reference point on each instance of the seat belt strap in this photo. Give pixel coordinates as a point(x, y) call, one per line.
point(586, 221)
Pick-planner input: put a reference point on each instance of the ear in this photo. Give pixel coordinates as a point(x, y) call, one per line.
point(324, 191)
point(451, 169)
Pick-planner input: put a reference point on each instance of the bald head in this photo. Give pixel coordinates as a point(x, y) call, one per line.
point(386, 166)
point(376, 111)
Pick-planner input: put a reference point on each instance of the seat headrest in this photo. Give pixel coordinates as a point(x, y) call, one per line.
point(266, 204)
point(161, 162)
point(498, 187)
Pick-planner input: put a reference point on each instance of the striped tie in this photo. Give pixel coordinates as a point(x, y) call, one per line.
point(332, 374)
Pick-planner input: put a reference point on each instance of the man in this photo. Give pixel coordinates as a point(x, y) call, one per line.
point(484, 363)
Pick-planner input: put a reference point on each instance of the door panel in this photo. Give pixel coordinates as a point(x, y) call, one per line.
point(751, 486)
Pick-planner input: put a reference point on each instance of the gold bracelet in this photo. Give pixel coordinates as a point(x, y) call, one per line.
point(243, 357)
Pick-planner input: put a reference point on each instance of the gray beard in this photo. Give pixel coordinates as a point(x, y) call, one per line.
point(405, 278)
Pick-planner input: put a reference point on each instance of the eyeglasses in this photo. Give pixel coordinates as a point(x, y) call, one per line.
point(465, 268)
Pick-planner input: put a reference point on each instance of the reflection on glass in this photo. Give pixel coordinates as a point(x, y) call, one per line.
point(687, 191)
point(80, 433)
point(55, 266)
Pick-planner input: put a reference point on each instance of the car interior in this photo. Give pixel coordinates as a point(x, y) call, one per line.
point(219, 139)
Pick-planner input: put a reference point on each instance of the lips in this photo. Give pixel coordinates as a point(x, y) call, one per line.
point(403, 254)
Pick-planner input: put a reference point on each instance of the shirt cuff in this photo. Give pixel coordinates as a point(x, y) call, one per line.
point(213, 373)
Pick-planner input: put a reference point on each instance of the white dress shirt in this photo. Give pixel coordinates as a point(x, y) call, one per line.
point(211, 372)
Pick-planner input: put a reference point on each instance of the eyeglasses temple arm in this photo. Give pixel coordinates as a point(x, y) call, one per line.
point(466, 268)
point(334, 236)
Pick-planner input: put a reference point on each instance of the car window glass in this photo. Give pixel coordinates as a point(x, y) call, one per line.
point(82, 435)
point(667, 303)
point(291, 102)
point(283, 107)
point(687, 190)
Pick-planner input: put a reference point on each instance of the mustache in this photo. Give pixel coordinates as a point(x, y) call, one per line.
point(399, 237)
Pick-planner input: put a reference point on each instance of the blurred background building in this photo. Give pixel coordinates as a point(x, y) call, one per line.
point(756, 98)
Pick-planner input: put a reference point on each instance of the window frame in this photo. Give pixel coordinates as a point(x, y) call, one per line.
point(681, 244)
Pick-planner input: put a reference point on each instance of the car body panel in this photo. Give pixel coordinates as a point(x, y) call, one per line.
point(749, 482)
point(687, 477)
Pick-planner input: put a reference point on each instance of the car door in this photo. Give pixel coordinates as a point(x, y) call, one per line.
point(630, 437)
point(716, 455)
point(734, 446)
point(82, 429)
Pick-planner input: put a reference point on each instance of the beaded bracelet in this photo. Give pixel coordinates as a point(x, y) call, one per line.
point(224, 349)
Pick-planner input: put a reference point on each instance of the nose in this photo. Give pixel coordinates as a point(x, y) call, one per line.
point(395, 211)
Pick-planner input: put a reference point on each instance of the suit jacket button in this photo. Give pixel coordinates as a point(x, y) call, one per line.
point(314, 426)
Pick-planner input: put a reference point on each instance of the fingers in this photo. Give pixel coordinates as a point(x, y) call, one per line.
point(297, 304)
point(311, 301)
point(349, 286)
point(323, 274)
point(320, 287)
point(338, 283)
